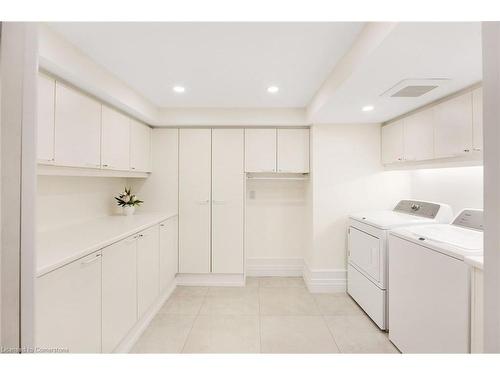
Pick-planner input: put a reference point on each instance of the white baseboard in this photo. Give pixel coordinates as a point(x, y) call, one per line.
point(129, 341)
point(325, 280)
point(274, 267)
point(210, 279)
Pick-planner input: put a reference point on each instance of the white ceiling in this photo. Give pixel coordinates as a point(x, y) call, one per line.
point(410, 51)
point(220, 64)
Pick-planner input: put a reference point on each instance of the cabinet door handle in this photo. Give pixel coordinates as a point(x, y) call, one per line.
point(476, 149)
point(206, 201)
point(92, 260)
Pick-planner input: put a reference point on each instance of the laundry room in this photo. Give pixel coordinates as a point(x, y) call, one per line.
point(249, 187)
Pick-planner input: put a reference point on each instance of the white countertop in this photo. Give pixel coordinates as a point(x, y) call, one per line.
point(475, 261)
point(56, 248)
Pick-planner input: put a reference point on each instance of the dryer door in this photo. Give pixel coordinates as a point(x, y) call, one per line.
point(364, 252)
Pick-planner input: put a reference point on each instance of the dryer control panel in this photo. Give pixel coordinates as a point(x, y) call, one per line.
point(418, 208)
point(472, 219)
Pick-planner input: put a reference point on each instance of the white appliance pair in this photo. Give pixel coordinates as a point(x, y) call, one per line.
point(426, 280)
point(429, 284)
point(367, 273)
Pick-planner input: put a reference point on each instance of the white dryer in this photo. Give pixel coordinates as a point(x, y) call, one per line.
point(367, 250)
point(429, 284)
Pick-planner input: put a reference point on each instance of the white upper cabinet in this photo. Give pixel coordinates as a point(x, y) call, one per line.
point(260, 150)
point(293, 150)
point(119, 292)
point(140, 147)
point(477, 119)
point(77, 128)
point(148, 270)
point(115, 140)
point(453, 127)
point(393, 142)
point(68, 307)
point(419, 136)
point(74, 130)
point(45, 119)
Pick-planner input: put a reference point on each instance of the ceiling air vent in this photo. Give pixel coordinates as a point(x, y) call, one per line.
point(413, 88)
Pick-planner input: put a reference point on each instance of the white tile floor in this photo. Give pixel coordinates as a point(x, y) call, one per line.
point(269, 315)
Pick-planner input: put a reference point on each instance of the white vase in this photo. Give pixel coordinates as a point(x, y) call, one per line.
point(128, 210)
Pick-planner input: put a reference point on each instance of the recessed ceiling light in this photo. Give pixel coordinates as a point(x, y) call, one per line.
point(273, 89)
point(179, 89)
point(367, 108)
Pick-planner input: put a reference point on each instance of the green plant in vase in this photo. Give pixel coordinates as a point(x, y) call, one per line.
point(128, 201)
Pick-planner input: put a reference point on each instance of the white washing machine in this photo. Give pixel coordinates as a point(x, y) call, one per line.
point(429, 284)
point(367, 250)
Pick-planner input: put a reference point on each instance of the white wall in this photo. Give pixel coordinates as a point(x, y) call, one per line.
point(460, 187)
point(70, 200)
point(346, 177)
point(275, 221)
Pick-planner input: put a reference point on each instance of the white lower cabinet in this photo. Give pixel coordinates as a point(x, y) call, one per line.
point(119, 291)
point(148, 257)
point(92, 304)
point(477, 311)
point(168, 253)
point(68, 307)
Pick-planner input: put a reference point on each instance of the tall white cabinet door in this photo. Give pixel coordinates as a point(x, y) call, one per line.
point(419, 136)
point(477, 119)
point(140, 147)
point(393, 142)
point(78, 129)
point(168, 252)
point(148, 277)
point(453, 127)
point(45, 119)
point(68, 307)
point(194, 200)
point(227, 200)
point(293, 150)
point(115, 140)
point(260, 150)
point(119, 292)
